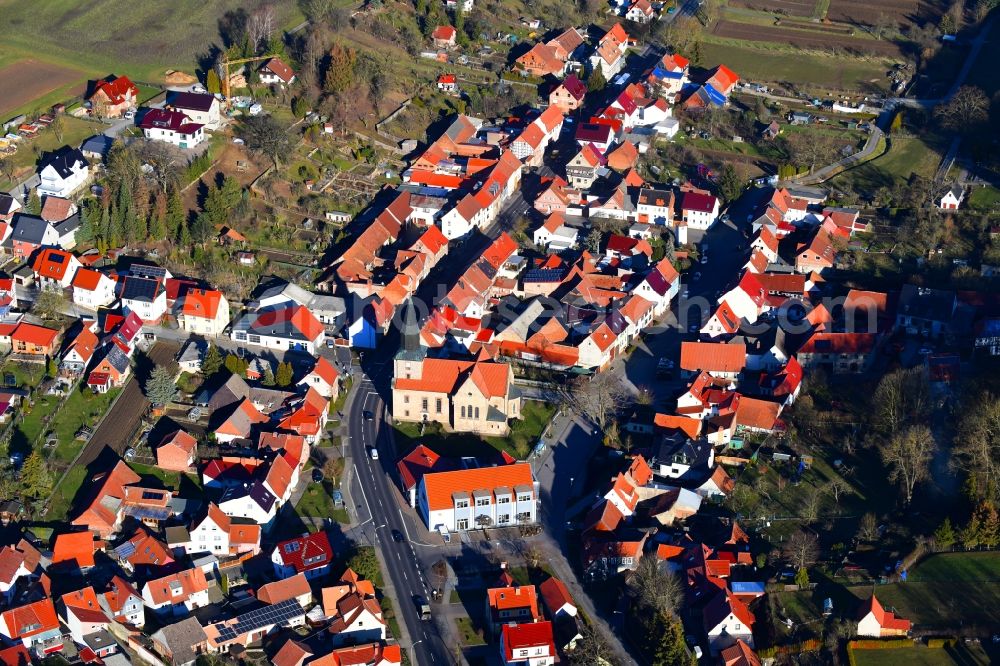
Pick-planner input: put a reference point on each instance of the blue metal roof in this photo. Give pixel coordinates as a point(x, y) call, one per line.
point(747, 587)
point(715, 96)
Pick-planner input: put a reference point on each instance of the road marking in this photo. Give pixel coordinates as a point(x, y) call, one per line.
point(363, 494)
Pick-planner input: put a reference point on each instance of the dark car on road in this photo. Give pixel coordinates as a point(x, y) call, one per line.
point(397, 536)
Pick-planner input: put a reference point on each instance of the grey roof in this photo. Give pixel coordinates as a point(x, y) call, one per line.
point(65, 161)
point(99, 144)
point(192, 351)
point(30, 229)
point(177, 534)
point(99, 640)
point(69, 225)
point(117, 358)
point(116, 659)
point(181, 638)
point(232, 391)
point(679, 449)
point(255, 491)
point(8, 204)
point(926, 303)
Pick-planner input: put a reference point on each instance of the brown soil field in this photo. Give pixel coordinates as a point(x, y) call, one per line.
point(789, 7)
point(866, 12)
point(830, 29)
point(25, 80)
point(802, 38)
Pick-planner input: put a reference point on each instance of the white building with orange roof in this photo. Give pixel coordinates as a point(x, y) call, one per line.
point(177, 593)
point(464, 499)
point(203, 312)
point(92, 289)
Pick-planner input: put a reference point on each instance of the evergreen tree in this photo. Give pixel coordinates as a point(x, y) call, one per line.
point(201, 229)
point(236, 365)
point(212, 362)
point(160, 387)
point(944, 535)
point(969, 536)
point(36, 481)
point(284, 376)
point(90, 219)
point(212, 82)
point(158, 218)
point(268, 376)
point(340, 69)
point(730, 185)
point(175, 218)
point(671, 648)
point(802, 578)
point(34, 205)
point(596, 80)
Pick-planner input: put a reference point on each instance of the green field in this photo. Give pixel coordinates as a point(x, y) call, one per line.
point(101, 36)
point(906, 156)
point(984, 198)
point(964, 655)
point(946, 590)
point(75, 130)
point(799, 68)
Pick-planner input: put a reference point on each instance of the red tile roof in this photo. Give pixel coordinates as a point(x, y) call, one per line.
point(441, 487)
point(31, 619)
point(191, 582)
point(84, 605)
point(52, 263)
point(702, 203)
point(116, 88)
point(74, 549)
point(555, 594)
point(530, 635)
point(277, 67)
point(312, 551)
point(713, 357)
point(202, 303)
point(885, 619)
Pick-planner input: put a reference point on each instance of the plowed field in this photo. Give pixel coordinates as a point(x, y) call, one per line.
point(811, 39)
point(789, 7)
point(26, 80)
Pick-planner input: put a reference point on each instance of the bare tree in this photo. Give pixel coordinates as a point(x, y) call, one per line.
point(966, 111)
point(901, 398)
point(260, 26)
point(977, 444)
point(810, 150)
point(908, 455)
point(656, 588)
point(868, 527)
point(591, 648)
point(883, 26)
point(164, 160)
point(600, 397)
point(801, 549)
point(837, 487)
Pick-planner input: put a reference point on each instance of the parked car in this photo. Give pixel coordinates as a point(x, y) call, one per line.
point(374, 453)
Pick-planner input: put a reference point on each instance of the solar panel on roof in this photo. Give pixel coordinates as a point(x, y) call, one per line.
point(261, 617)
point(127, 549)
point(144, 270)
point(543, 275)
point(140, 288)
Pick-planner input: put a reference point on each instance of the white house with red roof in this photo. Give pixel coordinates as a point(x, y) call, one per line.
point(123, 602)
point(876, 622)
point(177, 593)
point(221, 535)
point(465, 499)
point(35, 625)
point(659, 286)
point(727, 620)
point(641, 11)
point(276, 72)
point(55, 268)
point(92, 289)
point(557, 598)
point(447, 83)
point(311, 555)
point(528, 644)
point(113, 96)
point(746, 299)
point(324, 378)
point(699, 210)
point(173, 127)
point(82, 614)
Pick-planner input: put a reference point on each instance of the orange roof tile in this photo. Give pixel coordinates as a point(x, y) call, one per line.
point(285, 589)
point(74, 549)
point(507, 598)
point(441, 487)
point(203, 303)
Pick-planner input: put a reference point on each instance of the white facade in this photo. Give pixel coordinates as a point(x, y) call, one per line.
point(278, 341)
point(92, 299)
point(210, 326)
point(245, 506)
point(507, 508)
point(176, 137)
point(208, 537)
point(148, 310)
point(211, 119)
point(727, 632)
point(697, 219)
point(54, 185)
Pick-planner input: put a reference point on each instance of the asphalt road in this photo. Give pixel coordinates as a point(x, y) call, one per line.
point(378, 496)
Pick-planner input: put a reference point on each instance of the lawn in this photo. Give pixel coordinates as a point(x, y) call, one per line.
point(65, 492)
point(841, 73)
point(187, 485)
point(524, 433)
point(103, 36)
point(25, 374)
point(467, 632)
point(919, 655)
point(81, 408)
point(316, 502)
point(984, 198)
point(906, 156)
point(75, 130)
